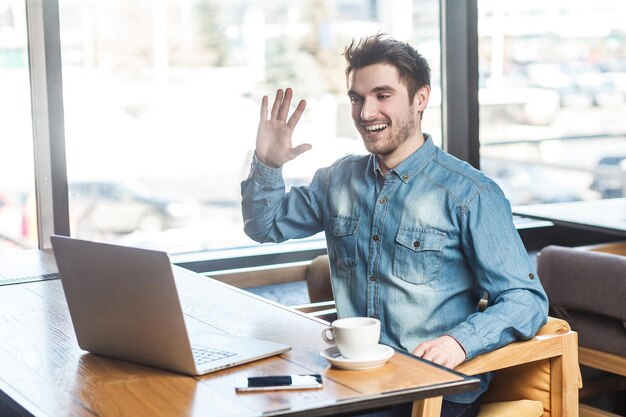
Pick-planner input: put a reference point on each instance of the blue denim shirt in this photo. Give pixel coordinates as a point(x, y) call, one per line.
point(416, 248)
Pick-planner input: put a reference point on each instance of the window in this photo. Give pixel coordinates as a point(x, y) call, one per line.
point(162, 101)
point(552, 98)
point(18, 225)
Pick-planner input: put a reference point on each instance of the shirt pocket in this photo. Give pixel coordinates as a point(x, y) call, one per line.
point(344, 231)
point(417, 257)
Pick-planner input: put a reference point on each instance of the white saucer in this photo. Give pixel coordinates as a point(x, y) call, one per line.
point(381, 354)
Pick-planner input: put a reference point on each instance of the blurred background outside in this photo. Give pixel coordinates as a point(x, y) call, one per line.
point(162, 102)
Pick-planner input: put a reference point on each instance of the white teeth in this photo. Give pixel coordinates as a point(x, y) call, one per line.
point(376, 127)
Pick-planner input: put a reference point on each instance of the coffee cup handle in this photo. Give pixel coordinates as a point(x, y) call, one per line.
point(328, 335)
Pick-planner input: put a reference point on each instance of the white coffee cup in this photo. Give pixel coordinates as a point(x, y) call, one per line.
point(355, 337)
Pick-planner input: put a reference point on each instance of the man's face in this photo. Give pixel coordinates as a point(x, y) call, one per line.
point(381, 108)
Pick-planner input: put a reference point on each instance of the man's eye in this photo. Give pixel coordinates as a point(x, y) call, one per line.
point(355, 100)
point(384, 96)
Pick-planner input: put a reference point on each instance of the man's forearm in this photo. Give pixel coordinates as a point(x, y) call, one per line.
point(519, 315)
point(261, 193)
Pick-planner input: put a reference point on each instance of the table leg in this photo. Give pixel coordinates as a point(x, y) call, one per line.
point(428, 407)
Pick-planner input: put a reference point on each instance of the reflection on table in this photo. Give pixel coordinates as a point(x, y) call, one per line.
point(608, 216)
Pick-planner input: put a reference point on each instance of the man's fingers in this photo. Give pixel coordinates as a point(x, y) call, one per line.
point(284, 106)
point(420, 350)
point(428, 352)
point(435, 356)
point(277, 103)
point(295, 117)
point(263, 115)
point(280, 108)
point(444, 350)
point(297, 150)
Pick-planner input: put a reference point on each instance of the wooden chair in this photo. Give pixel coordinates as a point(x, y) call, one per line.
point(537, 377)
point(587, 287)
point(317, 277)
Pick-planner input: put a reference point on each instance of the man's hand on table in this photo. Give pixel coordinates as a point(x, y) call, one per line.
point(444, 350)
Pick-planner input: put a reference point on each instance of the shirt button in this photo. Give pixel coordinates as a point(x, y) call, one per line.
point(405, 177)
point(416, 244)
point(531, 276)
point(372, 278)
point(375, 238)
point(383, 200)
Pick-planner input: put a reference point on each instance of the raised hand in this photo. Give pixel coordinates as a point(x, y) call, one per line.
point(273, 139)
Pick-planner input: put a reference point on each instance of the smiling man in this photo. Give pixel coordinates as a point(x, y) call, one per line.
point(415, 236)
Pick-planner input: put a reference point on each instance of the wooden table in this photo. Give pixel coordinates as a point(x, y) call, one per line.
point(44, 373)
point(608, 216)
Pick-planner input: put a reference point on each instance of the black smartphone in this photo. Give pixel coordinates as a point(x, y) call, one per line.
point(278, 382)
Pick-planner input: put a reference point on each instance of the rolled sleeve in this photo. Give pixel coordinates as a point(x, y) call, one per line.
point(263, 174)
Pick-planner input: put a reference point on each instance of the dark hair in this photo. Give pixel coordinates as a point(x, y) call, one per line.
point(412, 67)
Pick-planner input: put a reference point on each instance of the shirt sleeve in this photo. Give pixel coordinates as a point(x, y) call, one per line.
point(272, 215)
point(517, 305)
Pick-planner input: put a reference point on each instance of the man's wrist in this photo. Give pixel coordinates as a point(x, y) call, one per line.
point(265, 162)
point(263, 174)
point(458, 343)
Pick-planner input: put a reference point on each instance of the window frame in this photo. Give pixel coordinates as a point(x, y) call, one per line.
point(44, 58)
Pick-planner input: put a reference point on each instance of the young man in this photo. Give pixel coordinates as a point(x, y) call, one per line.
point(415, 236)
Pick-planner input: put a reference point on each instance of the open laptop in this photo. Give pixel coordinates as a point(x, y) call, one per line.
point(124, 304)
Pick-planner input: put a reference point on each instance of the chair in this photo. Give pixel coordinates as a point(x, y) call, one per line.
point(587, 287)
point(537, 377)
point(317, 277)
point(616, 248)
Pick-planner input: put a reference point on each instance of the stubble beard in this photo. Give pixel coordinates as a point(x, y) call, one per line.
point(406, 128)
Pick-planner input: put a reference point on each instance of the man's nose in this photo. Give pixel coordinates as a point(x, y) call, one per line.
point(369, 110)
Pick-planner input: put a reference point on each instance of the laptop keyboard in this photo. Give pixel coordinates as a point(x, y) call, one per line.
point(202, 355)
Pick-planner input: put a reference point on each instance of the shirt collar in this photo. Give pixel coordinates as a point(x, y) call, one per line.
point(411, 165)
point(376, 171)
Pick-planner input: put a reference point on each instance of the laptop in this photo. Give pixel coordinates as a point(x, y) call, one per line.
point(124, 304)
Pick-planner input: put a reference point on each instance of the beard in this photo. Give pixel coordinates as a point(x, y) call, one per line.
point(405, 128)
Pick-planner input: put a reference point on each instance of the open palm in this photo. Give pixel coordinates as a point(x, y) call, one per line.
point(273, 140)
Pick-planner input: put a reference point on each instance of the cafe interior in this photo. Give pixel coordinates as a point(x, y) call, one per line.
point(132, 123)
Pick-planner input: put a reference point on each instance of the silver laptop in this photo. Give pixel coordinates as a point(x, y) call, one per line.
point(124, 304)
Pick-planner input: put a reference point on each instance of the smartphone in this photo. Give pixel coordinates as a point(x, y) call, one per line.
point(278, 382)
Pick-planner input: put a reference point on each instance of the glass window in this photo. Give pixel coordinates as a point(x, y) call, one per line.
point(553, 98)
point(18, 224)
point(162, 102)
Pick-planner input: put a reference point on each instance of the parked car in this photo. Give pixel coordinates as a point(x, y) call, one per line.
point(104, 207)
point(609, 178)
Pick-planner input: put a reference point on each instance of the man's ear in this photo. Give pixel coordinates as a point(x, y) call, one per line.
point(421, 98)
